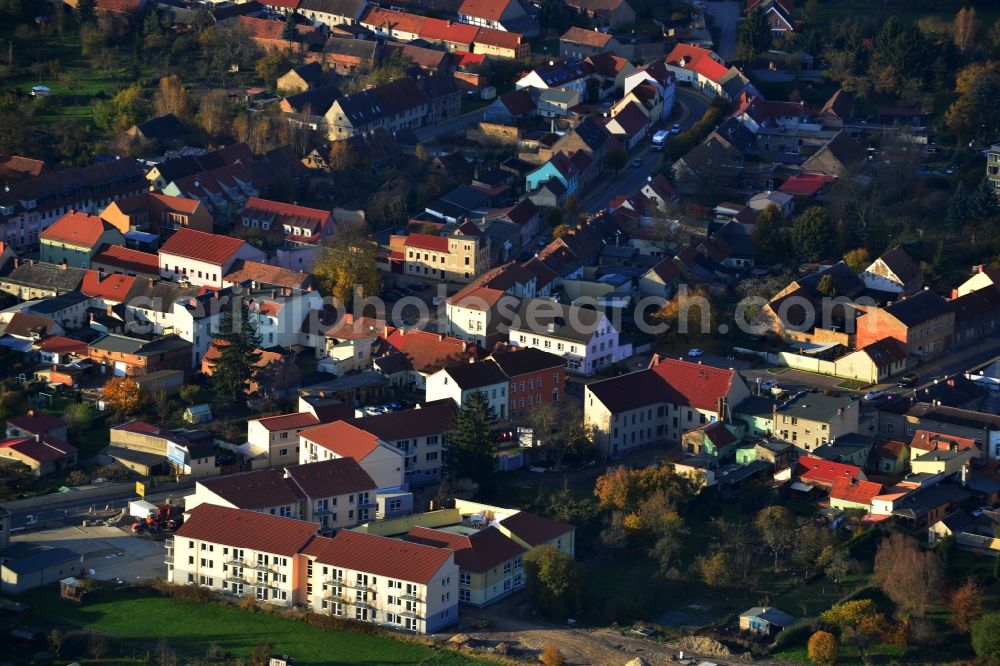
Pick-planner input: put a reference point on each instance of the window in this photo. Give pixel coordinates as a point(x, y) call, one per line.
point(464, 595)
point(464, 578)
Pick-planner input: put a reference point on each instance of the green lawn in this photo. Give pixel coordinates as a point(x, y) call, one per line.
point(140, 618)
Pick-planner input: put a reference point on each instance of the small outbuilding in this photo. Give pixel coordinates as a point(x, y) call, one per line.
point(198, 413)
point(765, 620)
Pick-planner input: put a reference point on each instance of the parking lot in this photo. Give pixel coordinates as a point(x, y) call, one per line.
point(109, 553)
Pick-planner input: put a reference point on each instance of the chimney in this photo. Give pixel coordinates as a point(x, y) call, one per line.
point(440, 337)
point(64, 265)
point(31, 412)
point(38, 437)
point(951, 382)
point(385, 331)
point(17, 262)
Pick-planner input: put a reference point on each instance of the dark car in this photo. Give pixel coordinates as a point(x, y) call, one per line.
point(909, 379)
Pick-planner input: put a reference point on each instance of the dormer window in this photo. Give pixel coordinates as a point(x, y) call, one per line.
point(307, 233)
point(246, 222)
point(288, 228)
point(265, 226)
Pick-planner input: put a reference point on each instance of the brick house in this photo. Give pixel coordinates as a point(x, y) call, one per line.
point(122, 356)
point(536, 378)
point(923, 323)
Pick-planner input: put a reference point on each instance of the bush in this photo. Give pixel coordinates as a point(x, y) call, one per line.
point(551, 656)
point(823, 648)
point(77, 478)
point(794, 636)
point(986, 636)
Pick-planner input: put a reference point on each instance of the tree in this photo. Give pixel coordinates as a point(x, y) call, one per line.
point(823, 648)
point(909, 576)
point(274, 63)
point(554, 581)
point(857, 259)
point(97, 646)
point(777, 529)
point(837, 565)
point(967, 29)
point(12, 403)
point(668, 546)
point(753, 37)
point(966, 603)
point(814, 15)
point(288, 31)
point(625, 490)
point(238, 345)
point(551, 656)
point(986, 636)
point(559, 430)
point(260, 655)
point(347, 265)
point(172, 97)
point(214, 113)
point(122, 111)
point(56, 639)
point(716, 569)
point(813, 235)
point(827, 286)
point(78, 417)
point(85, 11)
point(125, 395)
point(616, 159)
point(967, 117)
point(768, 236)
point(471, 442)
point(342, 157)
point(859, 621)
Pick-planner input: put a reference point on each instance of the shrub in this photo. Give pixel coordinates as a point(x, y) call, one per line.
point(551, 656)
point(823, 648)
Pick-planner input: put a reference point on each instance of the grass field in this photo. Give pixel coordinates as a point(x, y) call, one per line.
point(141, 618)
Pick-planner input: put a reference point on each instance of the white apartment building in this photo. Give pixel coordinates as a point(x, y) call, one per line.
point(585, 338)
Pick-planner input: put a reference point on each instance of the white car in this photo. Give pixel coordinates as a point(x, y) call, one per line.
point(874, 395)
point(695, 352)
point(675, 128)
point(38, 91)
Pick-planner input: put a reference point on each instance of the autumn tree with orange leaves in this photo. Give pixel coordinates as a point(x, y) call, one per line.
point(125, 395)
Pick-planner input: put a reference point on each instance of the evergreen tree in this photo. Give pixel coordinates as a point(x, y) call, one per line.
point(85, 10)
point(982, 204)
point(768, 236)
point(236, 365)
point(754, 36)
point(288, 32)
point(813, 234)
point(471, 444)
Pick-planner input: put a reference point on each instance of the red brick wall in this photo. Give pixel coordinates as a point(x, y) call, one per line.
point(542, 384)
point(875, 326)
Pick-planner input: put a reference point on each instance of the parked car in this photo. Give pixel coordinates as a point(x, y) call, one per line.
point(695, 352)
point(875, 395)
point(675, 128)
point(768, 385)
point(637, 162)
point(909, 379)
point(38, 91)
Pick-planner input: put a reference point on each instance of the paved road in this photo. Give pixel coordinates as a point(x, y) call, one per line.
point(689, 107)
point(726, 16)
point(77, 506)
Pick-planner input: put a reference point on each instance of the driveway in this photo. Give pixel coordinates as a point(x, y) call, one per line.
point(726, 17)
point(109, 553)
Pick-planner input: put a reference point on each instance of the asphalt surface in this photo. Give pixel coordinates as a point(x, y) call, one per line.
point(449, 126)
point(77, 506)
point(689, 107)
point(726, 16)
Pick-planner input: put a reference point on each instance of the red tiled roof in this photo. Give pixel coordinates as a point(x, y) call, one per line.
point(360, 328)
point(75, 228)
point(379, 556)
point(127, 259)
point(428, 352)
point(112, 288)
point(253, 490)
point(285, 213)
point(284, 4)
point(890, 448)
point(499, 38)
point(342, 438)
point(202, 246)
point(288, 421)
point(465, 59)
point(477, 552)
point(58, 344)
point(805, 184)
point(698, 385)
point(239, 528)
point(710, 69)
point(37, 423)
point(139, 427)
point(328, 478)
point(928, 440)
point(667, 270)
point(825, 472)
point(587, 37)
point(535, 530)
point(855, 491)
point(21, 165)
point(42, 450)
point(448, 31)
point(486, 9)
point(388, 19)
point(427, 242)
point(268, 274)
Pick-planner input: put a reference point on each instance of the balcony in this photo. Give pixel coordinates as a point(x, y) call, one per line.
point(355, 585)
point(412, 614)
point(411, 597)
point(333, 594)
point(362, 603)
point(231, 577)
point(169, 557)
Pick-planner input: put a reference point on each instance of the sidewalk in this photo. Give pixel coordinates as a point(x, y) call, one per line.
point(91, 494)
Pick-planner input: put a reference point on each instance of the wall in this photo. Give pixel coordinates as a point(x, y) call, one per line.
point(503, 134)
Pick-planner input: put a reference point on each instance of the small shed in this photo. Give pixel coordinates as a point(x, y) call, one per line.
point(198, 413)
point(765, 620)
point(70, 588)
